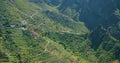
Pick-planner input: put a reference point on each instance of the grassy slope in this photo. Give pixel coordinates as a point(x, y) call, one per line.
point(20, 46)
point(62, 43)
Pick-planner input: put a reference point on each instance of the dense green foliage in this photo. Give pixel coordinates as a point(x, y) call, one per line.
point(51, 31)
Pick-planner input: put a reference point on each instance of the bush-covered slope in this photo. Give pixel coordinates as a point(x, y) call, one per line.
point(92, 12)
point(23, 34)
point(51, 31)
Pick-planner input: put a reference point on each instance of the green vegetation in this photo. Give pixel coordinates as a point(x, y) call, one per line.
point(48, 31)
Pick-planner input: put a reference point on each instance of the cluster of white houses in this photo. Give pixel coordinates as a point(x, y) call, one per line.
point(20, 27)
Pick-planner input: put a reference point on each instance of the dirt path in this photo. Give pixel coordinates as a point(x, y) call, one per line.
point(36, 12)
point(46, 45)
point(31, 16)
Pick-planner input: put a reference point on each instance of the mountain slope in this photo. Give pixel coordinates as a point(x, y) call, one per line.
point(23, 29)
point(59, 31)
point(92, 12)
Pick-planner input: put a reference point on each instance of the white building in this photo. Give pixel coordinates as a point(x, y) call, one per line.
point(23, 28)
point(12, 26)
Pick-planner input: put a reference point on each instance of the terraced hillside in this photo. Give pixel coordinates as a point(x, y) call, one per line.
point(59, 31)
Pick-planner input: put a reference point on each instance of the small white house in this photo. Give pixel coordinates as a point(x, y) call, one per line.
point(23, 28)
point(12, 26)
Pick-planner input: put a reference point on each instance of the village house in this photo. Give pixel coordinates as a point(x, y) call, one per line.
point(12, 26)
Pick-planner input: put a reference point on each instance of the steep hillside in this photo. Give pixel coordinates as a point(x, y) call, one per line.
point(63, 22)
point(23, 33)
point(105, 44)
point(102, 20)
point(92, 12)
point(59, 31)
